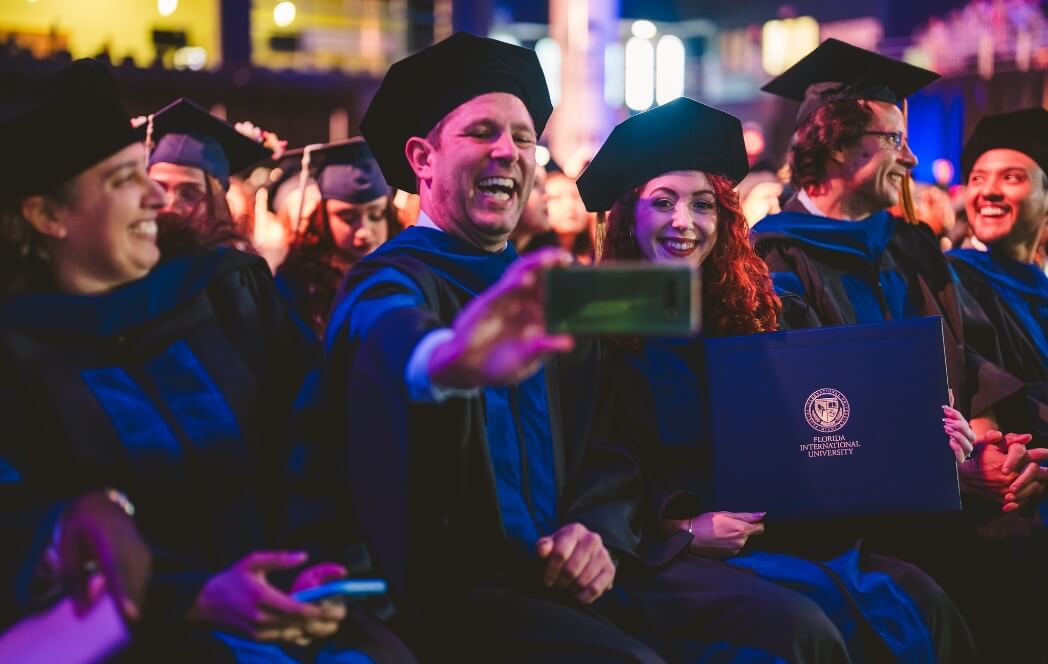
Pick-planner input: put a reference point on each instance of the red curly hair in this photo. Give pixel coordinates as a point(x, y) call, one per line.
point(737, 294)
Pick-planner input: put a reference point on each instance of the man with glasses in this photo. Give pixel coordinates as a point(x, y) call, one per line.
point(838, 257)
point(835, 253)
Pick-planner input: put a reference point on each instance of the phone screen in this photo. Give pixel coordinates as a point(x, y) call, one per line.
point(344, 588)
point(637, 298)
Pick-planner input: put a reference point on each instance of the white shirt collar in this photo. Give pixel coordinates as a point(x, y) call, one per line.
point(424, 221)
point(809, 204)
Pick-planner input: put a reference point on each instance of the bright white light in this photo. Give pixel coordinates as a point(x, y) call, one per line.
point(166, 7)
point(643, 29)
point(505, 37)
point(190, 57)
point(548, 51)
point(785, 41)
point(541, 155)
point(669, 69)
point(284, 14)
point(614, 75)
point(640, 74)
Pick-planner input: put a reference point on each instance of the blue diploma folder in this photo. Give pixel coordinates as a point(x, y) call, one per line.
point(832, 422)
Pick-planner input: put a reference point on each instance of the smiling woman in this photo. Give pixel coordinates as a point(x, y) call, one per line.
point(668, 177)
point(169, 382)
point(79, 215)
point(103, 234)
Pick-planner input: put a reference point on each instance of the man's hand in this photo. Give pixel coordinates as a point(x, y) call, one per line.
point(577, 560)
point(1003, 471)
point(1030, 483)
point(720, 534)
point(96, 533)
point(500, 337)
point(241, 599)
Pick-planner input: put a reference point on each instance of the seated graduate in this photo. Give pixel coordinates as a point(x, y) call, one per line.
point(355, 215)
point(667, 176)
point(838, 257)
point(1005, 162)
point(447, 390)
point(1006, 199)
point(835, 248)
point(192, 155)
point(166, 386)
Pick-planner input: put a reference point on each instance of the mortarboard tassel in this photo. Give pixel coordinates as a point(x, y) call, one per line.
point(598, 240)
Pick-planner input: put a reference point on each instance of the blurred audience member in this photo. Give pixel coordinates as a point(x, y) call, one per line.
point(568, 217)
point(353, 217)
point(759, 193)
point(193, 156)
point(533, 231)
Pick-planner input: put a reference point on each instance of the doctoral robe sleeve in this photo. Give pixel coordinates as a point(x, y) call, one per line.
point(374, 328)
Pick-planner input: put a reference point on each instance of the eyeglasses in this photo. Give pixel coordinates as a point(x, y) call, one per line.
point(896, 138)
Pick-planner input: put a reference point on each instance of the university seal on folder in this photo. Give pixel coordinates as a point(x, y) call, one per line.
point(832, 422)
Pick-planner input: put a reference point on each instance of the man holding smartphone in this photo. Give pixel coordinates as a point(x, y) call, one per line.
point(445, 381)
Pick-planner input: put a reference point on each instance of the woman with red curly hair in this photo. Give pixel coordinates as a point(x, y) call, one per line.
point(668, 177)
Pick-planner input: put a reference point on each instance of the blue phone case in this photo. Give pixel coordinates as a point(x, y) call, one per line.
point(348, 588)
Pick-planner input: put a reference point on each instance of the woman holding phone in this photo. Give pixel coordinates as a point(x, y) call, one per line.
point(142, 399)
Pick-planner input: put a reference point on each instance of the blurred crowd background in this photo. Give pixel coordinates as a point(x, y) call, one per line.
point(306, 70)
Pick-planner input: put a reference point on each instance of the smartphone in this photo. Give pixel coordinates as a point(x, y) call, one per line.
point(343, 588)
point(625, 298)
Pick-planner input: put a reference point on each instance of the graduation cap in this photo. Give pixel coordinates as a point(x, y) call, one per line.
point(71, 121)
point(421, 89)
point(347, 171)
point(185, 133)
point(837, 70)
point(284, 178)
point(682, 135)
point(1025, 131)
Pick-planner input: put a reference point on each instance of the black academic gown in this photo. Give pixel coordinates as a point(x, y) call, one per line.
point(308, 280)
point(1014, 298)
point(830, 275)
point(175, 389)
point(812, 608)
point(827, 274)
point(422, 474)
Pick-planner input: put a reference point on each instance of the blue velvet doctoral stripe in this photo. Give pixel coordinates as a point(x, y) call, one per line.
point(896, 295)
point(866, 238)
point(883, 605)
point(468, 267)
point(787, 283)
point(138, 423)
point(869, 308)
point(167, 286)
point(1022, 286)
point(863, 299)
point(501, 427)
point(8, 474)
point(364, 313)
point(535, 425)
point(192, 396)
